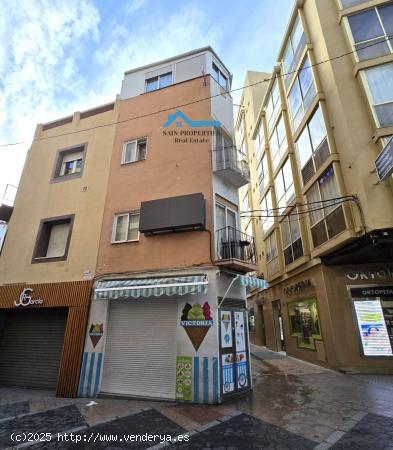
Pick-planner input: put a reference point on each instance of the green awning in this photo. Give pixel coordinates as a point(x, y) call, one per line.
point(253, 282)
point(151, 287)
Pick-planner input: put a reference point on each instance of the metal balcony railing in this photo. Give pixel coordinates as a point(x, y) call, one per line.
point(234, 244)
point(230, 159)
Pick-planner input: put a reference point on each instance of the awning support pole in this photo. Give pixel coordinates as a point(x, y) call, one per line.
point(229, 287)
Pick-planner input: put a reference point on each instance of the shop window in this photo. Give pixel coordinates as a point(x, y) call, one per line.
point(374, 317)
point(371, 32)
point(69, 163)
point(251, 320)
point(285, 192)
point(293, 50)
point(304, 323)
point(126, 227)
point(53, 239)
point(134, 151)
point(312, 146)
point(327, 219)
point(379, 81)
point(302, 93)
point(291, 238)
point(278, 143)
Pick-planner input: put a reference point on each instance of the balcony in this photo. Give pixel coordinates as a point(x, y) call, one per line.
point(235, 250)
point(230, 164)
point(7, 204)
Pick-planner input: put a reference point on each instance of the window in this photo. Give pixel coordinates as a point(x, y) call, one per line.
point(326, 219)
point(273, 104)
point(249, 230)
point(379, 80)
point(263, 173)
point(246, 202)
point(221, 79)
point(267, 211)
point(291, 239)
point(69, 163)
point(283, 183)
point(312, 146)
point(349, 3)
point(226, 154)
point(385, 140)
point(126, 227)
point(134, 151)
point(53, 239)
point(278, 143)
point(371, 32)
point(302, 93)
point(158, 82)
point(259, 141)
point(271, 247)
point(225, 217)
point(293, 51)
point(304, 322)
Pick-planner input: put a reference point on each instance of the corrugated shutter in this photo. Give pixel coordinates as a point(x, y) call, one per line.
point(140, 352)
point(31, 342)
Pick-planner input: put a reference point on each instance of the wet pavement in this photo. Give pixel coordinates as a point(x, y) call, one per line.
point(293, 405)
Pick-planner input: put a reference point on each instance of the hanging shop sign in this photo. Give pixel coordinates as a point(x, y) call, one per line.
point(298, 287)
point(196, 321)
point(372, 328)
point(25, 299)
point(383, 273)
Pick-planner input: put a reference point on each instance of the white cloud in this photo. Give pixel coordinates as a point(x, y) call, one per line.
point(134, 5)
point(41, 43)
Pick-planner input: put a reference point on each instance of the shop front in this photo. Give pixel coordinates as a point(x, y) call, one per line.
point(42, 328)
point(167, 335)
point(336, 316)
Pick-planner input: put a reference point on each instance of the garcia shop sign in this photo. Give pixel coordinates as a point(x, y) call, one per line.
point(25, 299)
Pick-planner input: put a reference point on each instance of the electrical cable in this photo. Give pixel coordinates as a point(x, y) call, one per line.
point(390, 37)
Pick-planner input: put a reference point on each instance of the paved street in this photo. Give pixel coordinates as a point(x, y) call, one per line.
point(294, 405)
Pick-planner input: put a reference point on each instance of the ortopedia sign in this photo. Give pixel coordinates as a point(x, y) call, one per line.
point(384, 162)
point(26, 299)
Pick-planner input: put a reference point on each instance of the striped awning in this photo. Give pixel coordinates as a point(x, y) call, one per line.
point(253, 282)
point(151, 287)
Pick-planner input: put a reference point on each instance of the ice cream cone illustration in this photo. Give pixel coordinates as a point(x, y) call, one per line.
point(196, 325)
point(95, 332)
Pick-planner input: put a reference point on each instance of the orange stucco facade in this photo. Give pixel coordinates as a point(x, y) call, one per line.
point(170, 169)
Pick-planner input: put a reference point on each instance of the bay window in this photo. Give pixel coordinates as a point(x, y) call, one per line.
point(371, 32)
point(259, 141)
point(291, 238)
point(293, 50)
point(302, 93)
point(263, 173)
point(379, 81)
point(312, 146)
point(278, 143)
point(326, 218)
point(285, 192)
point(266, 207)
point(273, 104)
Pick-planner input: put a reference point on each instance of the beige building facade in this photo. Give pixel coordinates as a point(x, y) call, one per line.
point(316, 200)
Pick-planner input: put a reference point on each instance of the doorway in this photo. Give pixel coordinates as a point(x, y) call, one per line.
point(278, 326)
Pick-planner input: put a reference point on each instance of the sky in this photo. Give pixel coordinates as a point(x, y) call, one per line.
point(61, 56)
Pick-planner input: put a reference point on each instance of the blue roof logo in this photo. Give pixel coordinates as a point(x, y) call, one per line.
point(180, 118)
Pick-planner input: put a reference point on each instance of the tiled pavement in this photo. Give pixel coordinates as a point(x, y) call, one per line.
point(294, 405)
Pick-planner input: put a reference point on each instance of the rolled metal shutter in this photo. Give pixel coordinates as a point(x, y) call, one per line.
point(140, 352)
point(31, 342)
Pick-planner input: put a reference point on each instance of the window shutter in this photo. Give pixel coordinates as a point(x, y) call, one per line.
point(58, 240)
